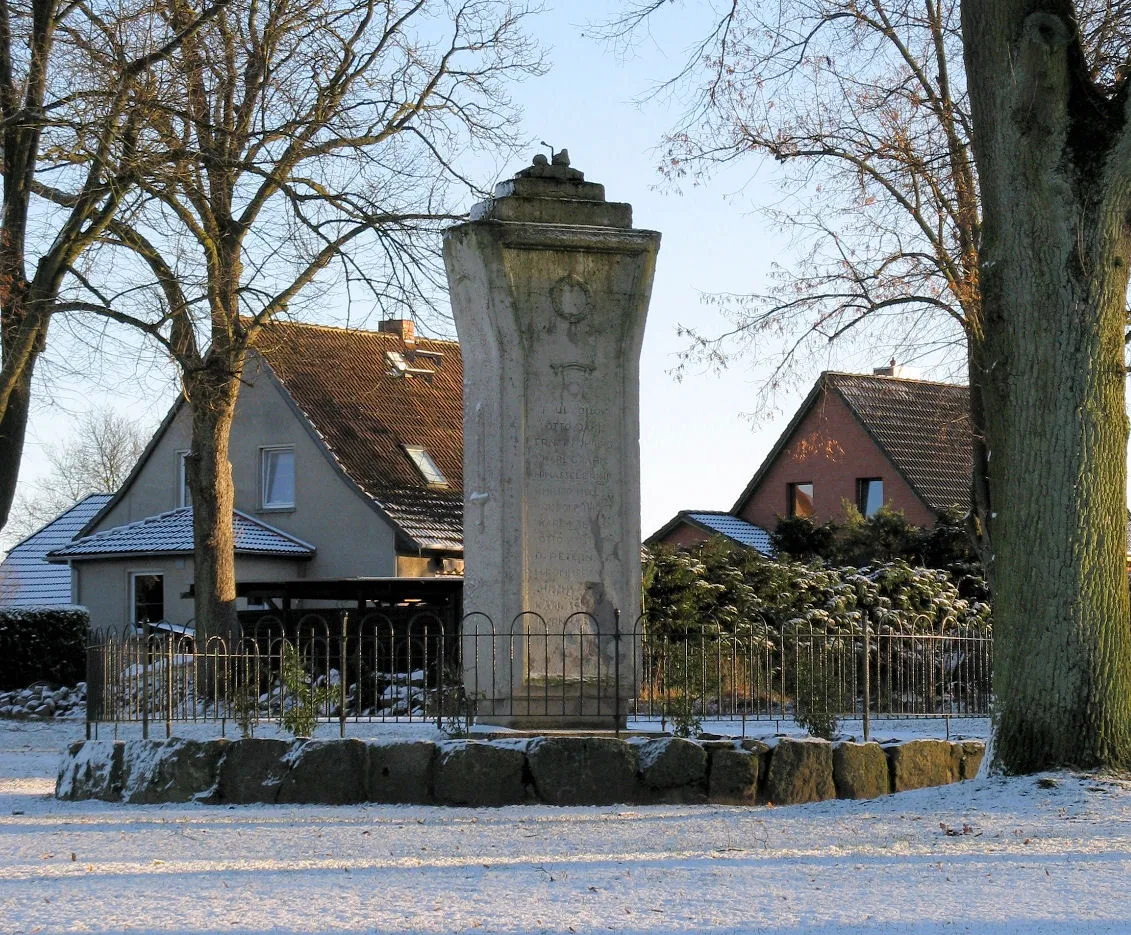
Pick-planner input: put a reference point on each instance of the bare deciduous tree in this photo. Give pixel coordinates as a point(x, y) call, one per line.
point(1050, 130)
point(864, 107)
point(304, 133)
point(867, 107)
point(97, 458)
point(72, 77)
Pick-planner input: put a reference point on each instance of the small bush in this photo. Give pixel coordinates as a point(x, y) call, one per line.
point(42, 644)
point(306, 699)
point(819, 697)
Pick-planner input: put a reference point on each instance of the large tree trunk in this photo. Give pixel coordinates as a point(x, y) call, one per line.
point(1055, 248)
point(24, 336)
point(209, 473)
point(13, 428)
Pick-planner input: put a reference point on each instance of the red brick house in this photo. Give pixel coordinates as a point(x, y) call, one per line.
point(869, 440)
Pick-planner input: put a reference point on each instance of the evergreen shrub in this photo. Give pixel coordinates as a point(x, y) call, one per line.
point(42, 644)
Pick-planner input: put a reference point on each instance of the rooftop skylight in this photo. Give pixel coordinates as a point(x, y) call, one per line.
point(426, 465)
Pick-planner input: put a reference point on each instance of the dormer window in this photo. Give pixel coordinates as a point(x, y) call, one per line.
point(397, 363)
point(403, 364)
point(425, 465)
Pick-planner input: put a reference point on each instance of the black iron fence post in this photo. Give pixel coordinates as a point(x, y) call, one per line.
point(867, 683)
point(144, 656)
point(168, 685)
point(342, 674)
point(616, 670)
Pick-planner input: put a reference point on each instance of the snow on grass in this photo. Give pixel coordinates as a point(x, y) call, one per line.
point(988, 856)
point(882, 730)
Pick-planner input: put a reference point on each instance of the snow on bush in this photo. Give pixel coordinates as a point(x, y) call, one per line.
point(724, 588)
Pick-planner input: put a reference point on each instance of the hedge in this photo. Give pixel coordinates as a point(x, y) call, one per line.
point(718, 586)
point(42, 644)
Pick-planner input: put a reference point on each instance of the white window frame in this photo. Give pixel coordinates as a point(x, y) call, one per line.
point(426, 464)
point(134, 575)
point(264, 451)
point(183, 498)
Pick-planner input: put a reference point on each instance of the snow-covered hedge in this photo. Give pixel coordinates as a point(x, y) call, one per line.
point(42, 644)
point(729, 588)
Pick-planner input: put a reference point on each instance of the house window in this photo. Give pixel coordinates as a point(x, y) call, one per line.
point(277, 478)
point(869, 495)
point(183, 496)
point(801, 499)
point(426, 465)
point(147, 596)
point(398, 365)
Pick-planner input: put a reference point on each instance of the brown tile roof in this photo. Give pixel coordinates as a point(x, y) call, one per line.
point(922, 427)
point(365, 411)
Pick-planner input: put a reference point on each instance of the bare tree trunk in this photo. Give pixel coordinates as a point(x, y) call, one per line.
point(13, 427)
point(1053, 169)
point(209, 473)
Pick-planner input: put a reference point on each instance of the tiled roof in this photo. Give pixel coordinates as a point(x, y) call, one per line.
point(366, 410)
point(723, 524)
point(171, 534)
point(922, 427)
point(27, 579)
point(732, 527)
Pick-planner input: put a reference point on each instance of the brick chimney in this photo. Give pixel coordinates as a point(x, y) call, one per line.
point(402, 327)
point(896, 370)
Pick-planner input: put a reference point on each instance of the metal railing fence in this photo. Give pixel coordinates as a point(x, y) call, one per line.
point(353, 668)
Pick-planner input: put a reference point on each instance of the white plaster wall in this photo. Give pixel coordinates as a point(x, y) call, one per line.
point(351, 537)
point(103, 587)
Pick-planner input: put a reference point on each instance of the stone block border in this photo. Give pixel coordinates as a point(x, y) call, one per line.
point(559, 770)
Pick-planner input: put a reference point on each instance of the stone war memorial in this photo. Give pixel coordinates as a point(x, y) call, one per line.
point(550, 286)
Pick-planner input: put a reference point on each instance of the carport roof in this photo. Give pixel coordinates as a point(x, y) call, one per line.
point(171, 534)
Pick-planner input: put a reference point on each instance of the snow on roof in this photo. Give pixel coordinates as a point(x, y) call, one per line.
point(171, 533)
point(27, 579)
point(732, 527)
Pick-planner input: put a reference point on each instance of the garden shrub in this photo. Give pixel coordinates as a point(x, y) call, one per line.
point(756, 604)
point(303, 699)
point(720, 587)
point(42, 644)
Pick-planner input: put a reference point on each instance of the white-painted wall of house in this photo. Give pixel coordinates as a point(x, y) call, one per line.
point(103, 586)
point(350, 537)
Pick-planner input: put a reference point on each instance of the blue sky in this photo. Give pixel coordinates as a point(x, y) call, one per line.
point(698, 444)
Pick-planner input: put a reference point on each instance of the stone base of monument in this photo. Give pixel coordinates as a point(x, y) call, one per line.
point(553, 770)
point(555, 704)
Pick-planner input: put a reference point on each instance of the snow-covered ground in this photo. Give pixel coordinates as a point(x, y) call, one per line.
point(882, 730)
point(988, 856)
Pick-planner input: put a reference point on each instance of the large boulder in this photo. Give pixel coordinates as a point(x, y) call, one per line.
point(252, 770)
point(400, 772)
point(918, 764)
point(583, 770)
point(860, 771)
point(174, 770)
point(800, 771)
point(673, 769)
point(91, 769)
point(326, 772)
point(733, 776)
point(471, 772)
